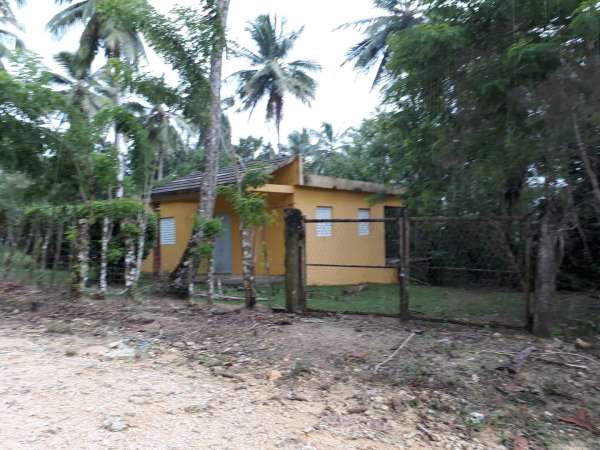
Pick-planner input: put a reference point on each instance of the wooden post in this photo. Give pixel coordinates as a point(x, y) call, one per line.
point(403, 244)
point(295, 235)
point(157, 257)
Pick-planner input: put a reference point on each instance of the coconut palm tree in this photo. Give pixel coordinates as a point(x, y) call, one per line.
point(373, 50)
point(327, 139)
point(100, 32)
point(270, 76)
point(170, 136)
point(85, 89)
point(7, 18)
point(118, 41)
point(299, 143)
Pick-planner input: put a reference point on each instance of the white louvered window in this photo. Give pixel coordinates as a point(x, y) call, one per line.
point(324, 229)
point(364, 227)
point(167, 231)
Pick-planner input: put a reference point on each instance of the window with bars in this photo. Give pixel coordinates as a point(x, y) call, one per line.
point(324, 229)
point(364, 228)
point(167, 231)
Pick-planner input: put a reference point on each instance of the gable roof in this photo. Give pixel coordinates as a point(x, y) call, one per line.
point(226, 175)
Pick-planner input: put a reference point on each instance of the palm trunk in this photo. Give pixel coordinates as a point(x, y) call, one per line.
point(45, 246)
point(121, 147)
point(161, 166)
point(60, 231)
point(106, 236)
point(182, 279)
point(547, 271)
point(143, 226)
point(247, 236)
point(210, 280)
point(80, 267)
point(130, 264)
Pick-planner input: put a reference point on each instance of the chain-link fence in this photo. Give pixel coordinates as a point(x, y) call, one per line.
point(448, 268)
point(54, 261)
point(348, 268)
point(471, 269)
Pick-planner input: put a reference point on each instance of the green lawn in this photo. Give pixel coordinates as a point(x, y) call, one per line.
point(573, 313)
point(443, 303)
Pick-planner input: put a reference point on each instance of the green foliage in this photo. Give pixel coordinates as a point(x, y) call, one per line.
point(251, 206)
point(270, 76)
point(184, 42)
point(373, 49)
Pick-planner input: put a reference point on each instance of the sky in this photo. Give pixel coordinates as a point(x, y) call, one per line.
point(343, 98)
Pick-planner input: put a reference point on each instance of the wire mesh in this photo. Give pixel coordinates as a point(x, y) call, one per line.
point(347, 266)
point(50, 267)
point(468, 269)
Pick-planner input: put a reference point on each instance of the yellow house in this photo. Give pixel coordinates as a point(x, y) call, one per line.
point(318, 197)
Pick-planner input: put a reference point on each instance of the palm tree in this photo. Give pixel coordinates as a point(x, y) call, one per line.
point(270, 76)
point(374, 49)
point(328, 148)
point(299, 143)
point(85, 89)
point(169, 134)
point(7, 17)
point(118, 41)
point(327, 139)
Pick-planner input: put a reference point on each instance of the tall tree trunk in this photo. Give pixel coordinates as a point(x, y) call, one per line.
point(105, 241)
point(80, 265)
point(160, 174)
point(142, 220)
point(210, 279)
point(182, 279)
point(248, 266)
point(547, 271)
point(121, 147)
point(588, 166)
point(60, 231)
point(130, 265)
point(44, 250)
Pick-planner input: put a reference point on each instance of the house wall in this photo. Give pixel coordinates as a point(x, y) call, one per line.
point(288, 175)
point(184, 209)
point(345, 246)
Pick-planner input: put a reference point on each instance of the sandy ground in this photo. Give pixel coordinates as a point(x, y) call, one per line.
point(50, 400)
point(162, 374)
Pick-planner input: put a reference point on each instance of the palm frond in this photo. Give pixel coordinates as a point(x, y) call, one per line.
point(68, 17)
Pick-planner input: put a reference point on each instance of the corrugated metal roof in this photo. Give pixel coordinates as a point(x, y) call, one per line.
point(225, 176)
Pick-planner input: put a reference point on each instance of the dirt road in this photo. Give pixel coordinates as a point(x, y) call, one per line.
point(63, 391)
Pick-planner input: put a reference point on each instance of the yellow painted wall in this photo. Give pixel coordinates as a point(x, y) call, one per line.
point(346, 246)
point(183, 210)
point(289, 174)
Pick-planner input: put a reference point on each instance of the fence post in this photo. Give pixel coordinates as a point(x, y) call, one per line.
point(295, 236)
point(403, 246)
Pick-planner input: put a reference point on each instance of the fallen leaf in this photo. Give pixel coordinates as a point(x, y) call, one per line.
point(582, 419)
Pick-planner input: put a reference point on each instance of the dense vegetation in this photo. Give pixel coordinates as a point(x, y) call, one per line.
point(488, 107)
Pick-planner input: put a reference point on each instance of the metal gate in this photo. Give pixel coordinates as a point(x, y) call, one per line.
point(348, 266)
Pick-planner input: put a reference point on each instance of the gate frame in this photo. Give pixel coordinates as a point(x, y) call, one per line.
point(295, 259)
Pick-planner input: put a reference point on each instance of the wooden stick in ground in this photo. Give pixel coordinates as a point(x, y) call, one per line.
point(389, 358)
